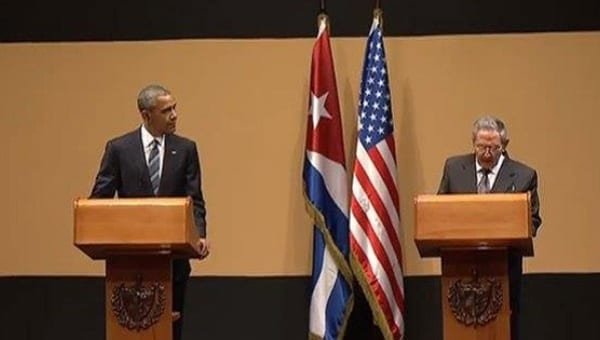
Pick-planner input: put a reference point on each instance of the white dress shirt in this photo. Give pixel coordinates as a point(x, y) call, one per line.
point(493, 171)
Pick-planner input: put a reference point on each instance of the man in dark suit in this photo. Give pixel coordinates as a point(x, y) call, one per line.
point(490, 170)
point(153, 161)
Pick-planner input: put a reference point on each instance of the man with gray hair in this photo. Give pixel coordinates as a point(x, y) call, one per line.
point(152, 161)
point(489, 169)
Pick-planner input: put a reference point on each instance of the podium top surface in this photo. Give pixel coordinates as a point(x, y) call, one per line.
point(114, 226)
point(473, 221)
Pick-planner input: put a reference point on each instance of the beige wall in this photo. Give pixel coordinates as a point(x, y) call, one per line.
point(244, 102)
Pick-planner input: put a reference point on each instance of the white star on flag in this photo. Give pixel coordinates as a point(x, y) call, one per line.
point(317, 108)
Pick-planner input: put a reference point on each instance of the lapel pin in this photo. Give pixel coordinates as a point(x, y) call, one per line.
point(173, 152)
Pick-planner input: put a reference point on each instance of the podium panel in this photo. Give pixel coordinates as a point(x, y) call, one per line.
point(138, 238)
point(138, 297)
point(475, 300)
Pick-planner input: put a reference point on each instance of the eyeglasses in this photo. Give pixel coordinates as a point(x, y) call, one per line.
point(490, 148)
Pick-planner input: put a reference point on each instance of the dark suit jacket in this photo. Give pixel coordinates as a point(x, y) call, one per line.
point(460, 178)
point(124, 171)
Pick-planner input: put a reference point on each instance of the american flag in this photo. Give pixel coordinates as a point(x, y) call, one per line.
point(326, 192)
point(374, 214)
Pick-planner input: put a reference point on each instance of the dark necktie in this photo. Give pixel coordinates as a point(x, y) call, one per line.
point(154, 166)
point(483, 187)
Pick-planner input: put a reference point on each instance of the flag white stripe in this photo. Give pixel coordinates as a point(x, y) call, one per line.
point(334, 176)
point(388, 158)
point(322, 292)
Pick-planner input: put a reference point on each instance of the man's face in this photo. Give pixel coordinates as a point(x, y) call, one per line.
point(162, 118)
point(488, 148)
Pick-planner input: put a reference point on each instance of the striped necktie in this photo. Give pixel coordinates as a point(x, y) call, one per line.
point(154, 166)
point(483, 187)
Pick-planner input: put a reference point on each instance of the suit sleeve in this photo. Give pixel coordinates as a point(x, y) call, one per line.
point(193, 188)
point(107, 179)
point(535, 203)
point(444, 187)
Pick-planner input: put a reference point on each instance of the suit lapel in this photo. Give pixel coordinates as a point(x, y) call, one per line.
point(170, 162)
point(470, 177)
point(139, 160)
point(505, 180)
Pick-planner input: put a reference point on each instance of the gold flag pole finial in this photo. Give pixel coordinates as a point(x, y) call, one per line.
point(378, 14)
point(322, 17)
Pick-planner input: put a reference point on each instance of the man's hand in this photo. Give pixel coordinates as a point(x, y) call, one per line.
point(203, 248)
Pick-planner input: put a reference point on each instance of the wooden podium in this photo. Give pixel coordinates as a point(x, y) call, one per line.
point(138, 239)
point(473, 234)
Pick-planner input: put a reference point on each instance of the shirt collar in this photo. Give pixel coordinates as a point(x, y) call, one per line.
point(147, 137)
point(494, 170)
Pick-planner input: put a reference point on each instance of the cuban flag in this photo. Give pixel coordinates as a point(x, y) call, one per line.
point(326, 192)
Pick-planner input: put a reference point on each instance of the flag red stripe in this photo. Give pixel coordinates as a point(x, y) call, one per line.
point(365, 224)
point(386, 176)
point(382, 212)
point(392, 145)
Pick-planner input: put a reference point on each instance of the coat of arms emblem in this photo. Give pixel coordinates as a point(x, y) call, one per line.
point(475, 302)
point(139, 306)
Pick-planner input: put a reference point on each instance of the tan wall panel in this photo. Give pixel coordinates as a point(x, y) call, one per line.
point(244, 102)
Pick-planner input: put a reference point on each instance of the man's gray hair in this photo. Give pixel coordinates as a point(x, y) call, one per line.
point(147, 97)
point(491, 123)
